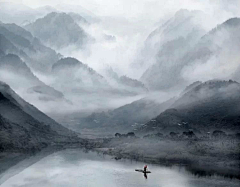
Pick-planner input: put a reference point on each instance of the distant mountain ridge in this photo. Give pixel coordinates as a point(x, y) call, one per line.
point(11, 12)
point(124, 81)
point(210, 45)
point(179, 57)
point(73, 74)
point(169, 42)
point(208, 106)
point(126, 118)
point(23, 44)
point(58, 30)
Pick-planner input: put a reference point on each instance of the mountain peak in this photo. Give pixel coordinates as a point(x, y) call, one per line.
point(210, 85)
point(58, 29)
point(57, 17)
point(66, 62)
point(182, 12)
point(232, 22)
point(53, 14)
point(185, 13)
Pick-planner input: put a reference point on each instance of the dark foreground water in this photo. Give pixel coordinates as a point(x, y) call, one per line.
point(76, 168)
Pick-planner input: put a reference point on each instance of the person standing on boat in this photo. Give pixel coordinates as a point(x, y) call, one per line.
point(145, 168)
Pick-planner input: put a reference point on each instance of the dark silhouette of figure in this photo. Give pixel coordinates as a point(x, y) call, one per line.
point(145, 168)
point(144, 171)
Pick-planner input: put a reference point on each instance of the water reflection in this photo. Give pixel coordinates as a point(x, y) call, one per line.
point(75, 168)
point(145, 175)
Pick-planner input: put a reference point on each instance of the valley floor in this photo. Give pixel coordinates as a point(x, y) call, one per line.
point(200, 157)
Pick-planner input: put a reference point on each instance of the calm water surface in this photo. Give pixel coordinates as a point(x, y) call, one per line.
point(75, 168)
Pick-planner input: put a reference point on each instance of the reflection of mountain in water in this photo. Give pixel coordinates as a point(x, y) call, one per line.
point(14, 163)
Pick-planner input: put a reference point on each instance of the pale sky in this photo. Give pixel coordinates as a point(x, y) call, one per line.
point(152, 9)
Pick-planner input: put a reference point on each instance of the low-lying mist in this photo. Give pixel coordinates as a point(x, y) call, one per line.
point(120, 42)
point(111, 48)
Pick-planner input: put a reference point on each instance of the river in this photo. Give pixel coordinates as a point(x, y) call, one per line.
point(77, 168)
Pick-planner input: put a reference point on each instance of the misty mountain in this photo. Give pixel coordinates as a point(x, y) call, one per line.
point(17, 74)
point(13, 12)
point(131, 82)
point(73, 75)
point(78, 18)
point(14, 38)
point(218, 47)
point(26, 46)
point(179, 62)
point(127, 117)
point(16, 32)
point(7, 47)
point(58, 30)
point(169, 43)
point(77, 9)
point(191, 86)
point(21, 14)
point(124, 82)
point(209, 106)
point(22, 126)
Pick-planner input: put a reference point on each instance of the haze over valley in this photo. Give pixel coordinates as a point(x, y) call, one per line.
point(153, 81)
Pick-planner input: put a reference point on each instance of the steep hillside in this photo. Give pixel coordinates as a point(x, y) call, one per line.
point(209, 106)
point(19, 76)
point(22, 126)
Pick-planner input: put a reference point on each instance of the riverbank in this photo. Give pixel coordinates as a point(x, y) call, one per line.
point(200, 157)
point(65, 168)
